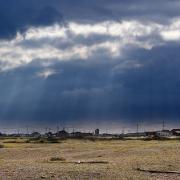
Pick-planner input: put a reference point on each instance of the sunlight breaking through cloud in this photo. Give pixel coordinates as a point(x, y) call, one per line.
point(75, 41)
point(46, 73)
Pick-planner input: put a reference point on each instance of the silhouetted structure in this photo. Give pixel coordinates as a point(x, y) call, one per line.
point(96, 132)
point(164, 133)
point(137, 134)
point(62, 134)
point(49, 134)
point(175, 132)
point(35, 134)
point(80, 134)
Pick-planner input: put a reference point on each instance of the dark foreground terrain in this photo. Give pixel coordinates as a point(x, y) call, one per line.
point(84, 159)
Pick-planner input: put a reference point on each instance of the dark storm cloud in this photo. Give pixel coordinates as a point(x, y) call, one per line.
point(96, 90)
point(108, 76)
point(18, 15)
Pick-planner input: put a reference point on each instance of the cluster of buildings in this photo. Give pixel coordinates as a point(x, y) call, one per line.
point(64, 134)
point(161, 133)
point(78, 134)
point(96, 133)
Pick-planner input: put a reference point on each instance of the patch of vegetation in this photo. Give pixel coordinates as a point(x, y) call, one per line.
point(92, 162)
point(11, 141)
point(57, 159)
point(37, 140)
point(2, 146)
point(15, 141)
point(28, 141)
point(52, 140)
point(42, 141)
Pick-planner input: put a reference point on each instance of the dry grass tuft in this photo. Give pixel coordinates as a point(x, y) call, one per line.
point(2, 146)
point(57, 159)
point(92, 162)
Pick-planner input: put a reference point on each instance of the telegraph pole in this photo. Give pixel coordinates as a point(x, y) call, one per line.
point(27, 129)
point(163, 125)
point(46, 130)
point(123, 130)
point(137, 130)
point(57, 128)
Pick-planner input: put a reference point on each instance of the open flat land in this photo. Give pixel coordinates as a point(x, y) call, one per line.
point(84, 159)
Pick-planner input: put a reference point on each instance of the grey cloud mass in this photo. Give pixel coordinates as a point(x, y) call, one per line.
point(80, 61)
point(18, 15)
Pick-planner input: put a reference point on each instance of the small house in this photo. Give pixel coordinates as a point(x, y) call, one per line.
point(96, 132)
point(36, 135)
point(175, 132)
point(164, 133)
point(62, 134)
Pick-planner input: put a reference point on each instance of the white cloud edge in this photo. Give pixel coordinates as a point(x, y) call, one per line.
point(13, 53)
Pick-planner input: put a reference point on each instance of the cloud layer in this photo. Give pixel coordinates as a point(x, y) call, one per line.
point(83, 41)
point(95, 61)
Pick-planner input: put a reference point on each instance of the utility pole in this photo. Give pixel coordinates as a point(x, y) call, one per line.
point(123, 130)
point(27, 129)
point(18, 131)
point(163, 125)
point(46, 130)
point(57, 128)
point(137, 130)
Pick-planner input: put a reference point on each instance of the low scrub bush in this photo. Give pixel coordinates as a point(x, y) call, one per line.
point(57, 159)
point(1, 146)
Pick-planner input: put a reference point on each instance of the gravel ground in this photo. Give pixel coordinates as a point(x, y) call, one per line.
point(82, 159)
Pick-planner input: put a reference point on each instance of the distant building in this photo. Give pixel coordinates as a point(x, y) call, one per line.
point(150, 133)
point(87, 134)
point(96, 132)
point(76, 134)
point(107, 135)
point(35, 134)
point(139, 134)
point(81, 135)
point(175, 132)
point(49, 134)
point(164, 133)
point(62, 134)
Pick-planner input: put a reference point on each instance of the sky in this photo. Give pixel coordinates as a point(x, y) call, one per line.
point(98, 63)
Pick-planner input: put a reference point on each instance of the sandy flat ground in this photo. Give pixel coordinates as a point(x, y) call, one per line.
point(84, 159)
